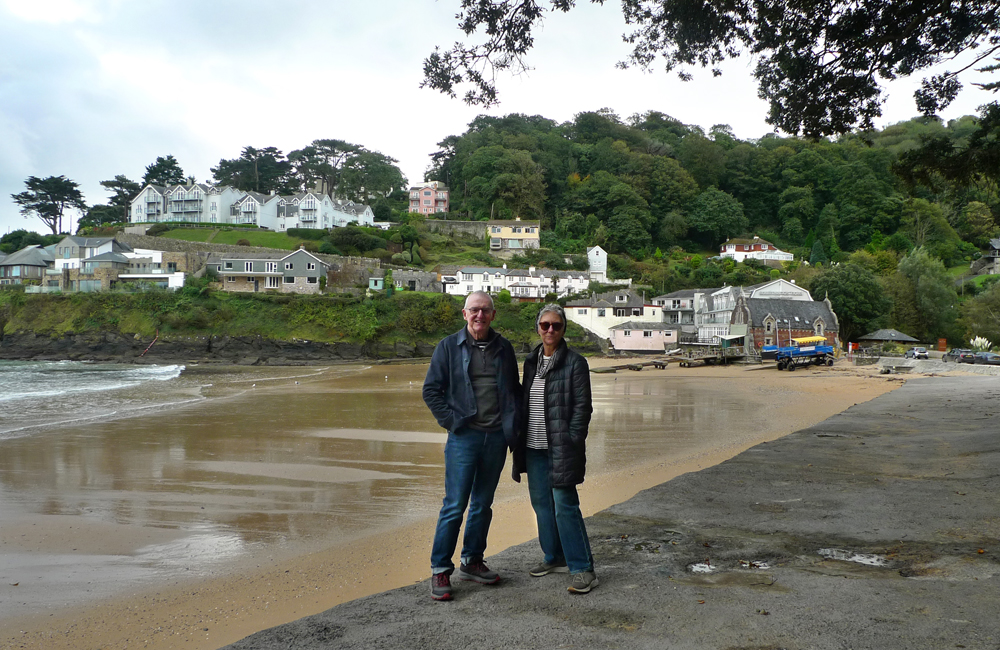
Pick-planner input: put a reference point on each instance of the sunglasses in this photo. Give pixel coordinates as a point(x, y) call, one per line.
point(545, 325)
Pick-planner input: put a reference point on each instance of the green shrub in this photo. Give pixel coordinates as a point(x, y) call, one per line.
point(314, 234)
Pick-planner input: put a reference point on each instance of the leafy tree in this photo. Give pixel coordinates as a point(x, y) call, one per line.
point(817, 255)
point(981, 315)
point(976, 224)
point(15, 240)
point(320, 164)
point(923, 287)
point(819, 66)
point(717, 216)
point(164, 171)
point(123, 190)
point(99, 215)
point(48, 199)
point(258, 170)
point(368, 174)
point(857, 298)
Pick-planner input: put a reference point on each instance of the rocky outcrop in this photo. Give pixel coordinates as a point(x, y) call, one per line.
point(240, 350)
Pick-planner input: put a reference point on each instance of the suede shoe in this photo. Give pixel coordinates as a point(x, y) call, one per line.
point(582, 583)
point(478, 572)
point(545, 569)
point(440, 586)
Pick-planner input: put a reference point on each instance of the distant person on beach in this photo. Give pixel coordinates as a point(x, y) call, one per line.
point(551, 449)
point(473, 392)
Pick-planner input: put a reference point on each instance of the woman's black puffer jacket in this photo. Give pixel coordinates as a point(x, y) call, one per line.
point(567, 414)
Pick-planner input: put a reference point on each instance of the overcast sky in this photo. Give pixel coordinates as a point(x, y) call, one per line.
point(94, 88)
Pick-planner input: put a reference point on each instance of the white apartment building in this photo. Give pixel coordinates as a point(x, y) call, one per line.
point(525, 284)
point(200, 203)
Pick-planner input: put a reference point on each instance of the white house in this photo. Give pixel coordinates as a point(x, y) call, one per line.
point(598, 261)
point(756, 248)
point(600, 312)
point(71, 250)
point(642, 337)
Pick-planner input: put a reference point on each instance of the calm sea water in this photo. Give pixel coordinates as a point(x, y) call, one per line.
point(176, 470)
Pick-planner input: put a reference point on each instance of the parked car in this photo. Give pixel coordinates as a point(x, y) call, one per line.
point(955, 354)
point(987, 358)
point(967, 356)
point(916, 353)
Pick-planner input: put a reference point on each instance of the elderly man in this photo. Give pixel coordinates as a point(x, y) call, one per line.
point(472, 389)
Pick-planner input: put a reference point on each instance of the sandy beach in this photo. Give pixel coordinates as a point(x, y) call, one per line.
point(235, 600)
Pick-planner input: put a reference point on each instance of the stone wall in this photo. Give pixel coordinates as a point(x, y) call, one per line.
point(472, 229)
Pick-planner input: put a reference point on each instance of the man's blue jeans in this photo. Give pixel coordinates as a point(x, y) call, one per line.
point(473, 461)
point(561, 531)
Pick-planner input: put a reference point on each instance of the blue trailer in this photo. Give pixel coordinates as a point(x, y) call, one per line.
point(806, 351)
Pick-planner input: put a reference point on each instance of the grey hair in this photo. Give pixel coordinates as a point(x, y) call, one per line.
point(552, 307)
point(479, 293)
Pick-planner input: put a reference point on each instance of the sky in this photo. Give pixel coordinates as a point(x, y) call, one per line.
point(90, 89)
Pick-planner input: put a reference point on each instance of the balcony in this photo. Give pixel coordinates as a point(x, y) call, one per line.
point(307, 218)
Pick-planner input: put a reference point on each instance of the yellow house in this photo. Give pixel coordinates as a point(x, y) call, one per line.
point(509, 238)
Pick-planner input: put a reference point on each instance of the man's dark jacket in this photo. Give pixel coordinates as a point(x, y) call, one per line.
point(568, 407)
point(448, 390)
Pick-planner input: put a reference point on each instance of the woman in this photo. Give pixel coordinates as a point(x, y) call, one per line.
point(551, 449)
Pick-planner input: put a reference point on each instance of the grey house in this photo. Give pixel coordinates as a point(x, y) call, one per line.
point(298, 272)
point(26, 266)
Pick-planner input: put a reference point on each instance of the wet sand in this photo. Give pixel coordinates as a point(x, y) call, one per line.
point(283, 582)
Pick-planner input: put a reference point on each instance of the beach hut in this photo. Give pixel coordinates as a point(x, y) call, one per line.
point(884, 336)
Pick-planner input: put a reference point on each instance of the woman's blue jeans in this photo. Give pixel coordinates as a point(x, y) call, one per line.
point(473, 461)
point(561, 531)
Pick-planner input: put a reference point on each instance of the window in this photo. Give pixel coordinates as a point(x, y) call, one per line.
point(427, 193)
point(626, 332)
point(767, 341)
point(427, 201)
point(675, 304)
point(229, 265)
point(272, 267)
point(230, 278)
point(495, 229)
point(248, 267)
point(582, 312)
point(288, 279)
point(288, 266)
point(468, 288)
point(310, 266)
point(517, 229)
point(621, 298)
point(272, 283)
point(647, 334)
point(312, 280)
point(768, 327)
point(600, 313)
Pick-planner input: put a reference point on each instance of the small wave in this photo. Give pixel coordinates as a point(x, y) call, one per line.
point(107, 416)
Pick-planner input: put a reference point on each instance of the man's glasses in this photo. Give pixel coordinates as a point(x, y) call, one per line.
point(545, 325)
point(476, 310)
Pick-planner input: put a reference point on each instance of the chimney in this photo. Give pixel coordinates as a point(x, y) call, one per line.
point(505, 266)
point(531, 270)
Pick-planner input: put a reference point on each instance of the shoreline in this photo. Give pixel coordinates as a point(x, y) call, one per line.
point(272, 589)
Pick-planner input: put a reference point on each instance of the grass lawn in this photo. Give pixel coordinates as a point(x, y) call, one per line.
point(255, 237)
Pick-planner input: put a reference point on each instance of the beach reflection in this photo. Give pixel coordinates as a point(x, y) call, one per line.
point(287, 458)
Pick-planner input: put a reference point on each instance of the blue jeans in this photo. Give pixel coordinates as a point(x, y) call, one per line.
point(561, 531)
point(473, 461)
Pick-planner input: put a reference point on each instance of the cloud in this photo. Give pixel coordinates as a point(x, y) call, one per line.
point(94, 88)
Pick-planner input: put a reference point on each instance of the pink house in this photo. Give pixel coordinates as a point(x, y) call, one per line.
point(654, 338)
point(429, 198)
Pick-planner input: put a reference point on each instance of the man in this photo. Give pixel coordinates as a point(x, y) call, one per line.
point(472, 389)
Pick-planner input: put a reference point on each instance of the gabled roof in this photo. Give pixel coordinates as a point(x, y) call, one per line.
point(30, 256)
point(108, 257)
point(683, 293)
point(794, 313)
point(888, 335)
point(609, 299)
point(513, 222)
point(995, 243)
point(632, 325)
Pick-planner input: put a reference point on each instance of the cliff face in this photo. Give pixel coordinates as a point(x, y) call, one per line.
point(249, 350)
